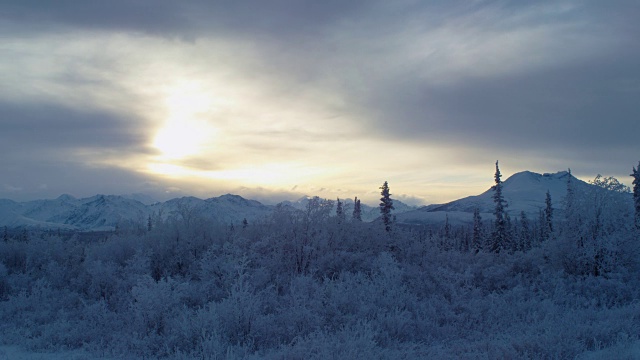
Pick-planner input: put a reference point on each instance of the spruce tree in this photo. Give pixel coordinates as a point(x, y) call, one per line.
point(510, 241)
point(357, 210)
point(339, 211)
point(5, 234)
point(570, 198)
point(548, 216)
point(636, 194)
point(542, 225)
point(500, 232)
point(572, 218)
point(386, 205)
point(525, 232)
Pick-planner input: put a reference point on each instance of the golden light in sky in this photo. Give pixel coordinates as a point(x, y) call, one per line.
point(186, 130)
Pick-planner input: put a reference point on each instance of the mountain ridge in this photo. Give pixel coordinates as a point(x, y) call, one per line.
point(523, 191)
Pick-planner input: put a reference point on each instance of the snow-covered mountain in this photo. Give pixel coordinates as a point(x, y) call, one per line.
point(226, 209)
point(105, 212)
point(523, 191)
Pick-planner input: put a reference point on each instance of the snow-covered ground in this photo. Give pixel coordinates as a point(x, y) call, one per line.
point(18, 353)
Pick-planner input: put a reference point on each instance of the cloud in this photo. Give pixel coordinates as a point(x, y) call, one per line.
point(45, 128)
point(187, 20)
point(318, 94)
point(11, 188)
point(533, 83)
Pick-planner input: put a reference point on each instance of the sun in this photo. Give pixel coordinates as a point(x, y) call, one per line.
point(186, 130)
point(180, 139)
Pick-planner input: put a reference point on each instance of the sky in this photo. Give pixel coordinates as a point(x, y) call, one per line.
point(277, 99)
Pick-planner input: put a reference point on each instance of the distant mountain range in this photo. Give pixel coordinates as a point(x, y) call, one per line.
point(524, 191)
point(105, 212)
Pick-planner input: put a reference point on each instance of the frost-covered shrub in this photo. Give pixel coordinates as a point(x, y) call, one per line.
point(154, 305)
point(14, 256)
point(352, 342)
point(4, 284)
point(303, 285)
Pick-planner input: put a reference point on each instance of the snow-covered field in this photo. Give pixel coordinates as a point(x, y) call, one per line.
point(307, 284)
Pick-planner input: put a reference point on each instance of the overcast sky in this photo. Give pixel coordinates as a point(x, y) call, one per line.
point(277, 99)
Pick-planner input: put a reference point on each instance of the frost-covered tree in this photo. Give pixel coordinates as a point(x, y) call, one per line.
point(340, 211)
point(510, 241)
point(570, 197)
point(574, 257)
point(572, 218)
point(525, 232)
point(499, 237)
point(357, 210)
point(541, 228)
point(24, 235)
point(386, 205)
point(636, 195)
point(594, 232)
point(605, 201)
point(610, 183)
point(548, 216)
point(5, 234)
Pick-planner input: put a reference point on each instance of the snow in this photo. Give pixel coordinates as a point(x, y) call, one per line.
point(523, 191)
point(105, 212)
point(628, 350)
point(18, 353)
point(303, 284)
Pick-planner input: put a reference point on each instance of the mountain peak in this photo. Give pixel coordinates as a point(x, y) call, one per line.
point(141, 197)
point(231, 197)
point(523, 191)
point(66, 197)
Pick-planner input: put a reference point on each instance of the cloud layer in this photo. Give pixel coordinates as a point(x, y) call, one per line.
point(328, 98)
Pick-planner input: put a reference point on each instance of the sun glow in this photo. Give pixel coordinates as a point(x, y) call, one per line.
point(186, 131)
point(179, 139)
point(266, 174)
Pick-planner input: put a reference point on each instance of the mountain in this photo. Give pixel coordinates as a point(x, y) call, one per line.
point(105, 212)
point(143, 198)
point(100, 212)
point(523, 191)
point(226, 209)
